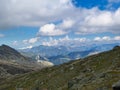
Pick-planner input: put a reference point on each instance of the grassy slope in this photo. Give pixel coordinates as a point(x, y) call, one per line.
point(97, 72)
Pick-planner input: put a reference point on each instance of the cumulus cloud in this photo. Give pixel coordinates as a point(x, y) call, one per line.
point(90, 21)
point(99, 21)
point(103, 19)
point(50, 30)
point(41, 13)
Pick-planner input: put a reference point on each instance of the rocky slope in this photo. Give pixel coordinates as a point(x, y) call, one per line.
point(12, 62)
point(96, 72)
point(8, 70)
point(9, 54)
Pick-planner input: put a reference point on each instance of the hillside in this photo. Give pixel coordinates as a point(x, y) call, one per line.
point(96, 72)
point(12, 63)
point(8, 53)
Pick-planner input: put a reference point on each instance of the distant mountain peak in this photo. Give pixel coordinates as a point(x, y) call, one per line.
point(4, 46)
point(8, 53)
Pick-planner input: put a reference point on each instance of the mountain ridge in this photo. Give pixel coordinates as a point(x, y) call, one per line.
point(61, 54)
point(12, 62)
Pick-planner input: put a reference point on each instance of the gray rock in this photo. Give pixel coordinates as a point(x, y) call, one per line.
point(116, 86)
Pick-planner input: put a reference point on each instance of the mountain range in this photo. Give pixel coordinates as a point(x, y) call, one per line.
point(61, 54)
point(96, 72)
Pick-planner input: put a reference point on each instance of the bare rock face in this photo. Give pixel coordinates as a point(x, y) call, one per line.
point(43, 61)
point(116, 86)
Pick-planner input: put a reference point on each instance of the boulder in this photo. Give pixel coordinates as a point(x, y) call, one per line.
point(116, 86)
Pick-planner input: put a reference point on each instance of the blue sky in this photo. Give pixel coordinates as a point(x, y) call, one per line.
point(31, 23)
point(101, 4)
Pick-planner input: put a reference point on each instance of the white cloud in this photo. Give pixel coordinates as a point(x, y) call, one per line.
point(67, 41)
point(105, 38)
point(2, 35)
point(99, 21)
point(67, 23)
point(28, 47)
point(64, 1)
point(31, 41)
point(32, 12)
point(41, 13)
point(89, 22)
point(103, 19)
point(97, 39)
point(117, 38)
point(50, 30)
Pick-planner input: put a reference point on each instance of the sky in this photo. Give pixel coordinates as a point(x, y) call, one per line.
point(29, 23)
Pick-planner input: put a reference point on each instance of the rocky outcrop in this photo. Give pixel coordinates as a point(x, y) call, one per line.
point(116, 86)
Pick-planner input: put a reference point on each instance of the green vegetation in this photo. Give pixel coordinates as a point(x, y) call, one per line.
point(97, 72)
